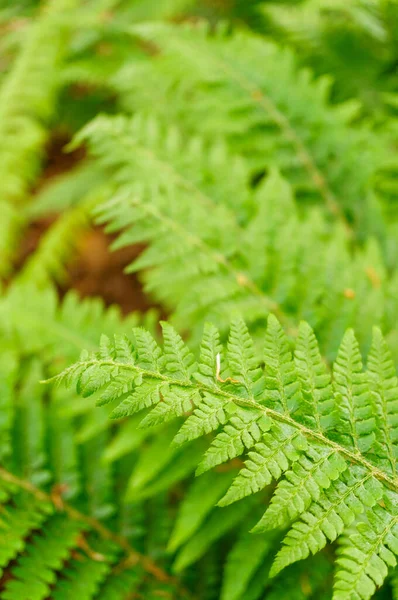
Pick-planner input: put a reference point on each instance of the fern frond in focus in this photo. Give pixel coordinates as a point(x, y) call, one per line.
point(333, 456)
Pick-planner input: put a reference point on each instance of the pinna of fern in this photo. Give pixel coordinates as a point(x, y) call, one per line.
point(330, 441)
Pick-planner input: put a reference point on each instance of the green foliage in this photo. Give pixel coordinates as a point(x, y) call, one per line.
point(70, 554)
point(59, 540)
point(233, 252)
point(337, 480)
point(235, 86)
point(325, 31)
point(245, 153)
point(27, 104)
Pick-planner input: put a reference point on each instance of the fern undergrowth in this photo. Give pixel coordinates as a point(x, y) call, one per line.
point(245, 447)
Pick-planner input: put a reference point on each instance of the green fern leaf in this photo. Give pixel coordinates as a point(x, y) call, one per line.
point(210, 357)
point(282, 389)
point(16, 525)
point(243, 430)
point(317, 405)
point(82, 579)
point(332, 484)
point(384, 385)
point(207, 417)
point(303, 484)
point(178, 362)
point(367, 553)
point(35, 571)
point(241, 358)
point(326, 520)
point(148, 352)
point(280, 447)
point(354, 406)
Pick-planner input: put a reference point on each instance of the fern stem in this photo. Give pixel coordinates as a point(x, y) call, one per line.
point(352, 457)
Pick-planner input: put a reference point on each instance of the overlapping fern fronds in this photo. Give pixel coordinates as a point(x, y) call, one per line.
point(53, 441)
point(58, 499)
point(323, 33)
point(267, 197)
point(232, 248)
point(53, 549)
point(330, 441)
point(252, 93)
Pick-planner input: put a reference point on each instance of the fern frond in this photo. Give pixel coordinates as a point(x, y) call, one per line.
point(59, 550)
point(325, 521)
point(317, 403)
point(317, 493)
point(200, 274)
point(27, 103)
point(322, 33)
point(48, 262)
point(73, 321)
point(384, 386)
point(354, 407)
point(64, 191)
point(365, 557)
point(236, 85)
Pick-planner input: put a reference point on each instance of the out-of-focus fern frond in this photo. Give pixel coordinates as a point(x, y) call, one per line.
point(64, 191)
point(253, 93)
point(50, 547)
point(27, 103)
point(355, 41)
point(231, 249)
point(58, 244)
